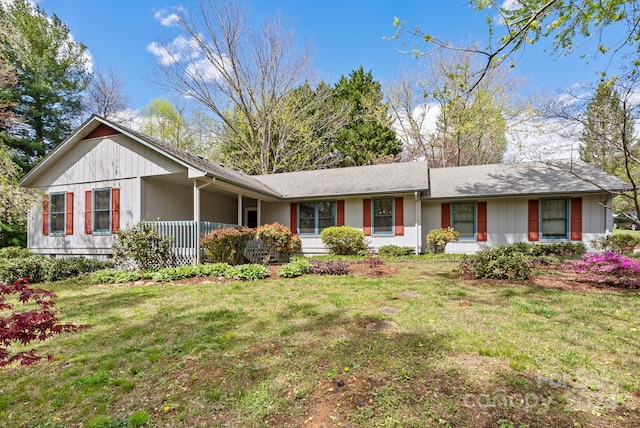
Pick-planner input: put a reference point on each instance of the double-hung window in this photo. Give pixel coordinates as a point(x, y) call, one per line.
point(463, 219)
point(382, 216)
point(57, 212)
point(316, 216)
point(102, 210)
point(554, 218)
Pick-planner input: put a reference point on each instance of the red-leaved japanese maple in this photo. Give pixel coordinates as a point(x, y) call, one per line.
point(25, 327)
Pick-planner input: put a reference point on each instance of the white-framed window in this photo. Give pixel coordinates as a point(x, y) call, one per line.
point(382, 214)
point(314, 217)
point(102, 210)
point(554, 218)
point(463, 219)
point(57, 212)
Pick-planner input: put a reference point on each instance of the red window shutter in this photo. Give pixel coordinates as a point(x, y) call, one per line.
point(293, 218)
point(482, 221)
point(88, 204)
point(45, 215)
point(399, 217)
point(340, 213)
point(115, 209)
point(445, 214)
point(69, 214)
point(534, 220)
point(576, 219)
point(366, 217)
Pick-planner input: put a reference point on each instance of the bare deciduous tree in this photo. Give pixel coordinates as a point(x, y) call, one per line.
point(441, 119)
point(105, 95)
point(242, 75)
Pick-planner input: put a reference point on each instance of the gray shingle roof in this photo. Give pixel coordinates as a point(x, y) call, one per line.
point(531, 178)
point(437, 183)
point(360, 180)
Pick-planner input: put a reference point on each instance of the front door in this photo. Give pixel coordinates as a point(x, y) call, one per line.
point(252, 217)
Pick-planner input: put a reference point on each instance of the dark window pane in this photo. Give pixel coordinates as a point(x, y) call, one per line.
point(383, 215)
point(102, 199)
point(57, 223)
point(103, 221)
point(307, 226)
point(315, 216)
point(324, 223)
point(464, 219)
point(383, 207)
point(307, 211)
point(326, 209)
point(554, 218)
point(57, 210)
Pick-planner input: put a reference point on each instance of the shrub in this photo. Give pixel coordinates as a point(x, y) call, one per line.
point(277, 238)
point(343, 240)
point(395, 251)
point(15, 269)
point(620, 243)
point(568, 249)
point(500, 262)
point(293, 269)
point(227, 245)
point(174, 273)
point(14, 253)
point(250, 272)
point(608, 269)
point(55, 269)
point(142, 247)
point(329, 267)
point(40, 268)
point(114, 276)
point(214, 269)
point(24, 327)
point(437, 239)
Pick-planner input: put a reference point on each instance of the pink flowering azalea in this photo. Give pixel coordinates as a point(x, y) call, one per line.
point(607, 268)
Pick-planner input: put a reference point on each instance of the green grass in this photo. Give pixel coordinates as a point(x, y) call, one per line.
point(302, 352)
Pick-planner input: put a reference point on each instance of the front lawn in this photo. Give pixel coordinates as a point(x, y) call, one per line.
point(423, 347)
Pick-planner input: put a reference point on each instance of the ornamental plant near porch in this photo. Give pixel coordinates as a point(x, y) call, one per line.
point(277, 238)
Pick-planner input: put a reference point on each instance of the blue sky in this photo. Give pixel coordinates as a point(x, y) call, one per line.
point(343, 35)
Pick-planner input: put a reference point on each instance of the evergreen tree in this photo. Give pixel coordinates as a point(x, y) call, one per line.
point(368, 135)
point(607, 132)
point(51, 72)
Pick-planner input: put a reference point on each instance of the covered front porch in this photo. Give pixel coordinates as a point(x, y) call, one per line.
point(186, 208)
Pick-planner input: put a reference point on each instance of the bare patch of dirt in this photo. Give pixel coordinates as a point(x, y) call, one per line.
point(557, 278)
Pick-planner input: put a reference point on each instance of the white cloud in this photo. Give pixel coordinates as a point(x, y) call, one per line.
point(181, 48)
point(205, 69)
point(162, 53)
point(167, 19)
point(511, 4)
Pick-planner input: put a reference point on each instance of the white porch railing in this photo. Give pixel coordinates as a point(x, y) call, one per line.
point(184, 242)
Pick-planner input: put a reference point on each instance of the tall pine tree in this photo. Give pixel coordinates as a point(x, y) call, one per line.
point(368, 136)
point(608, 132)
point(51, 72)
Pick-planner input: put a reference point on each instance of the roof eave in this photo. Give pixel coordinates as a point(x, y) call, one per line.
point(351, 195)
point(512, 195)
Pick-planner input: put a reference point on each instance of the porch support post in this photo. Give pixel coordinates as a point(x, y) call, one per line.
point(239, 209)
point(418, 225)
point(196, 214)
point(196, 219)
point(259, 213)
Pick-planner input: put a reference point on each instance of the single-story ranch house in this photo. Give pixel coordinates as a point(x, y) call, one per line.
point(106, 176)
